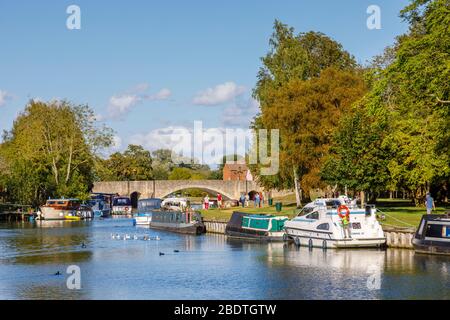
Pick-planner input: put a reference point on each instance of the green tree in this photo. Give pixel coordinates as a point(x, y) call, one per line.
point(50, 151)
point(180, 174)
point(406, 143)
point(358, 159)
point(299, 96)
point(162, 164)
point(134, 164)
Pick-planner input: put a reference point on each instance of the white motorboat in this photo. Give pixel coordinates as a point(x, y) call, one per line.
point(145, 211)
point(320, 224)
point(175, 204)
point(121, 206)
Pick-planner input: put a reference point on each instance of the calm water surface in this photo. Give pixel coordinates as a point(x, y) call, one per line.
point(206, 267)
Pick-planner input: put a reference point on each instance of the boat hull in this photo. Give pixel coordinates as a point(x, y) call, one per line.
point(326, 240)
point(49, 213)
point(185, 228)
point(428, 247)
point(142, 221)
point(260, 236)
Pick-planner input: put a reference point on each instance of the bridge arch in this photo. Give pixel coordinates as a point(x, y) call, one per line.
point(160, 188)
point(210, 190)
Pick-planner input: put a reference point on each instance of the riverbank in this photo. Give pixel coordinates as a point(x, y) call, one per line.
point(398, 213)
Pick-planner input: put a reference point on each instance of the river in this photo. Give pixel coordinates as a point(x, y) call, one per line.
point(206, 267)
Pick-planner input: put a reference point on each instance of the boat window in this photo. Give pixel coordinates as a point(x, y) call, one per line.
point(446, 232)
point(122, 202)
point(422, 225)
point(305, 211)
point(314, 215)
point(333, 204)
point(434, 231)
point(323, 226)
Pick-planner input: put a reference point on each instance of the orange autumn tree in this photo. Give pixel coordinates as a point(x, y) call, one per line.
point(306, 84)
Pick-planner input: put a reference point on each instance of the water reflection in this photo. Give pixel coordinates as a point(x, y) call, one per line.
point(45, 242)
point(204, 267)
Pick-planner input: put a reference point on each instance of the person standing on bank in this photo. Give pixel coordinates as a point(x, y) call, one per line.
point(429, 203)
point(242, 200)
point(206, 201)
point(257, 199)
point(219, 200)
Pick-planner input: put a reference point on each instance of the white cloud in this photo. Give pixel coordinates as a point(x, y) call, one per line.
point(219, 94)
point(120, 105)
point(4, 97)
point(163, 94)
point(209, 147)
point(162, 138)
point(240, 114)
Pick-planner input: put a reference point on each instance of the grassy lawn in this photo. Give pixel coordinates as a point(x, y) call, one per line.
point(398, 213)
point(401, 213)
point(225, 214)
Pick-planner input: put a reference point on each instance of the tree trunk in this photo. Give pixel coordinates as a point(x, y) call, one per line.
point(298, 197)
point(362, 199)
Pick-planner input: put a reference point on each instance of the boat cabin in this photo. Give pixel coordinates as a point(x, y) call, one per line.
point(121, 205)
point(433, 234)
point(147, 205)
point(68, 204)
point(175, 204)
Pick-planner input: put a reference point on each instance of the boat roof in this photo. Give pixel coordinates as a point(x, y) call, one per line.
point(149, 199)
point(176, 199)
point(436, 217)
point(260, 215)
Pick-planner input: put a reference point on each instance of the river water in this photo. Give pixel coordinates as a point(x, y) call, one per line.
point(206, 267)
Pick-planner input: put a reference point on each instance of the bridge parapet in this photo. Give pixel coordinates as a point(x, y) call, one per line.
point(160, 188)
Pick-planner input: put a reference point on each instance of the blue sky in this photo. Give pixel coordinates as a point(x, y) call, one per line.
point(149, 65)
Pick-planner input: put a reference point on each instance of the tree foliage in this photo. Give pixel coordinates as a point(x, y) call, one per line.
point(50, 151)
point(408, 110)
point(307, 81)
point(135, 163)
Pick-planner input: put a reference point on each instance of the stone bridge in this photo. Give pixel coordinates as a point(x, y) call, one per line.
point(162, 188)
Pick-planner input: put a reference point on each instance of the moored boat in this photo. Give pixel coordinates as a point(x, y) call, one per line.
point(64, 209)
point(121, 206)
point(336, 223)
point(101, 205)
point(433, 235)
point(175, 204)
point(264, 227)
point(188, 222)
point(145, 211)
